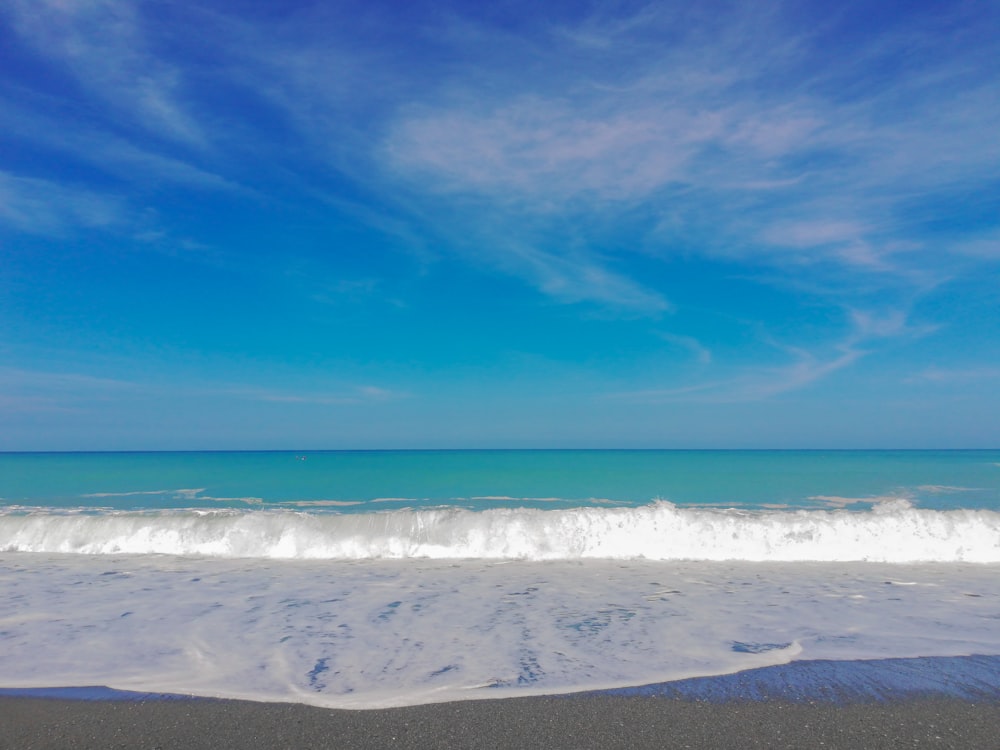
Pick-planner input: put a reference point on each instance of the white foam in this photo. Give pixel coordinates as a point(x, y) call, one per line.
point(188, 493)
point(320, 503)
point(893, 531)
point(944, 488)
point(377, 633)
point(836, 501)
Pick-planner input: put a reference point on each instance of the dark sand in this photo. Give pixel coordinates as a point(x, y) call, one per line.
point(585, 721)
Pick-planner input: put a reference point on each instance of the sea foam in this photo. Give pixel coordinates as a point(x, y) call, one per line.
point(892, 531)
point(375, 633)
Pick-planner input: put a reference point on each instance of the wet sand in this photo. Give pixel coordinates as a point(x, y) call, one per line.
point(932, 702)
point(582, 721)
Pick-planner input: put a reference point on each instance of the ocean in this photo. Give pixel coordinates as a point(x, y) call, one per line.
point(378, 578)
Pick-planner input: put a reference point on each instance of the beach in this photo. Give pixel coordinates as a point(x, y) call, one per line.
point(553, 723)
point(264, 601)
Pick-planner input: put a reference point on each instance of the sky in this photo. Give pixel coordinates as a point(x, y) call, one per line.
point(452, 224)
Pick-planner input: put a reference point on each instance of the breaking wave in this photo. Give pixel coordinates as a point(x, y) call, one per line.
point(892, 531)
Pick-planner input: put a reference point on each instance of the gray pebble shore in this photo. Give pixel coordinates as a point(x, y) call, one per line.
point(584, 721)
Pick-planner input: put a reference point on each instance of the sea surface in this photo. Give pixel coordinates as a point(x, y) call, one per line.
point(376, 578)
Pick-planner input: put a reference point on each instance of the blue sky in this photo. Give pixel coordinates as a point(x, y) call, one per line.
point(608, 224)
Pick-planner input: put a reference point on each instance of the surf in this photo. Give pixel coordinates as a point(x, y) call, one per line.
point(892, 531)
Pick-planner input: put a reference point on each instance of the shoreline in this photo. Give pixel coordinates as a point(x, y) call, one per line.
point(969, 678)
point(935, 702)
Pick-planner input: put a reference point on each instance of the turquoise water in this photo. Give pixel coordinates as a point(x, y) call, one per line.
point(362, 481)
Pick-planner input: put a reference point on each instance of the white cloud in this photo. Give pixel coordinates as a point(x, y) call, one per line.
point(548, 151)
point(580, 278)
point(43, 207)
point(110, 153)
point(103, 44)
point(777, 133)
point(813, 233)
point(985, 246)
point(604, 144)
point(889, 323)
point(732, 130)
point(700, 352)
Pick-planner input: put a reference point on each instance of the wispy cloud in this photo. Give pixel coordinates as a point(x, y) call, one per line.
point(60, 209)
point(579, 277)
point(730, 133)
point(354, 395)
point(986, 246)
point(133, 164)
point(701, 353)
point(547, 151)
point(756, 384)
point(806, 369)
point(733, 123)
point(957, 375)
point(804, 365)
point(24, 390)
point(104, 46)
point(891, 323)
point(736, 110)
point(121, 116)
point(38, 206)
point(40, 391)
point(813, 233)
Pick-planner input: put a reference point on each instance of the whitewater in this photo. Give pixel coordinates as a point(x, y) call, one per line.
point(892, 531)
point(379, 579)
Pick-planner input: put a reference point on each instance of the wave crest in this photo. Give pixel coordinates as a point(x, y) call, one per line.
point(890, 532)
